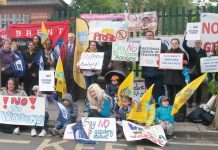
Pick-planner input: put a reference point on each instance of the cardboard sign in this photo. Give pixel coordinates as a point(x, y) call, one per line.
point(92, 61)
point(46, 80)
point(193, 31)
point(135, 132)
point(139, 90)
point(123, 51)
point(171, 61)
point(101, 129)
point(150, 50)
point(20, 110)
point(209, 64)
point(108, 31)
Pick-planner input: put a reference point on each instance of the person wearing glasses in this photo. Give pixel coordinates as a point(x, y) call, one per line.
point(195, 54)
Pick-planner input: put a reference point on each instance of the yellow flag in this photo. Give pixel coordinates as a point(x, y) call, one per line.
point(140, 111)
point(59, 75)
point(82, 44)
point(186, 93)
point(126, 87)
point(44, 34)
point(3, 2)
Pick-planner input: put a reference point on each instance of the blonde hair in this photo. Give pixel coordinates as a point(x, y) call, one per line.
point(100, 93)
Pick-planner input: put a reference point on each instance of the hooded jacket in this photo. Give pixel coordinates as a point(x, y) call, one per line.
point(164, 113)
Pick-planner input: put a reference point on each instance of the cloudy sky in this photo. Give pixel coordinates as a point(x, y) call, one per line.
point(68, 1)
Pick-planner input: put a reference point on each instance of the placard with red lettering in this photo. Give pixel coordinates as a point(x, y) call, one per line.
point(108, 31)
point(209, 33)
point(171, 61)
point(101, 129)
point(22, 110)
point(3, 34)
point(150, 50)
point(123, 51)
point(135, 132)
point(91, 60)
point(58, 31)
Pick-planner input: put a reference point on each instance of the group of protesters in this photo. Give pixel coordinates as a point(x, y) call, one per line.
point(100, 102)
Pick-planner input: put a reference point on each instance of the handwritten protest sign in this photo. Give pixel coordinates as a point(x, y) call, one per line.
point(101, 129)
point(193, 31)
point(91, 60)
point(20, 110)
point(150, 50)
point(108, 31)
point(123, 51)
point(171, 61)
point(209, 64)
point(135, 132)
point(68, 133)
point(139, 90)
point(46, 80)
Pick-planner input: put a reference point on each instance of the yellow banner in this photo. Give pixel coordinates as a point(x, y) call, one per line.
point(126, 87)
point(3, 2)
point(44, 34)
point(59, 75)
point(82, 44)
point(186, 93)
point(140, 112)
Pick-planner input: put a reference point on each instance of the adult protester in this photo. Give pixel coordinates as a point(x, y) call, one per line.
point(175, 80)
point(153, 75)
point(1, 43)
point(51, 58)
point(67, 57)
point(99, 103)
point(11, 89)
point(31, 75)
point(195, 54)
point(90, 75)
point(7, 57)
point(37, 43)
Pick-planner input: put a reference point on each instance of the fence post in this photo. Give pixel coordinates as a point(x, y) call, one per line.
point(183, 20)
point(189, 15)
point(176, 21)
point(169, 15)
point(163, 22)
point(197, 14)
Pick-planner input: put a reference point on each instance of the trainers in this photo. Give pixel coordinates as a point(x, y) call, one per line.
point(33, 132)
point(42, 133)
point(53, 131)
point(16, 131)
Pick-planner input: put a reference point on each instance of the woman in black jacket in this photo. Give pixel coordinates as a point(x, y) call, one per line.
point(174, 79)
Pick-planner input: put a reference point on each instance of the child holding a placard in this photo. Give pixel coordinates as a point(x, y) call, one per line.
point(163, 115)
point(44, 129)
point(123, 111)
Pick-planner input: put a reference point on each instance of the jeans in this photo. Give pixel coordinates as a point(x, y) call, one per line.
point(90, 80)
point(168, 127)
point(45, 127)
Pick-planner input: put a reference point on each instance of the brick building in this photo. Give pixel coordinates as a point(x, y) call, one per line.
point(30, 11)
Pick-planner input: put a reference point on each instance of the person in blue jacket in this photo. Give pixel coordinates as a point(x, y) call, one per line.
point(99, 103)
point(163, 115)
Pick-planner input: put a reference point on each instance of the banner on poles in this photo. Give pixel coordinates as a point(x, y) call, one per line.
point(22, 110)
point(135, 132)
point(58, 31)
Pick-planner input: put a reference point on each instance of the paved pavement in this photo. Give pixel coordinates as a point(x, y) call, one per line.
point(182, 129)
